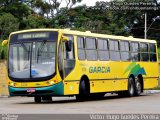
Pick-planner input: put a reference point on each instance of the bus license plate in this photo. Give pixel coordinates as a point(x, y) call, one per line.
point(31, 90)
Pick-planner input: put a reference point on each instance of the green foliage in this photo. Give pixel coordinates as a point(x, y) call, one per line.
point(8, 23)
point(5, 48)
point(34, 21)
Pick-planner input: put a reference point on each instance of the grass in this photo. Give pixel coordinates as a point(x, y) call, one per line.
point(157, 88)
point(159, 53)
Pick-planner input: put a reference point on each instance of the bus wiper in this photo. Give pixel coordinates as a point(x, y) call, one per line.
point(25, 48)
point(40, 49)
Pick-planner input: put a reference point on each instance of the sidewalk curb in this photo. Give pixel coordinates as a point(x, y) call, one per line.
point(151, 91)
point(4, 96)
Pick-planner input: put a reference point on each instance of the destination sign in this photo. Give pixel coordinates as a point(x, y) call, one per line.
point(33, 35)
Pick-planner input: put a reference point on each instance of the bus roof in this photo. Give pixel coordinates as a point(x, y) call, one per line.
point(89, 34)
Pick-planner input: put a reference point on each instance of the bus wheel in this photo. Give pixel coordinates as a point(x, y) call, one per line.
point(131, 87)
point(138, 87)
point(83, 92)
point(47, 98)
point(122, 94)
point(37, 99)
point(97, 95)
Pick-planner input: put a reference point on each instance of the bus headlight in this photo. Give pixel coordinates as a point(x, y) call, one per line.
point(50, 82)
point(12, 84)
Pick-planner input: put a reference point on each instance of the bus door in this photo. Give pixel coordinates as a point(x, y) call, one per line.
point(66, 58)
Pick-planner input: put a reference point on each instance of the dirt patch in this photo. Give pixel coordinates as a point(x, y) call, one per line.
point(3, 79)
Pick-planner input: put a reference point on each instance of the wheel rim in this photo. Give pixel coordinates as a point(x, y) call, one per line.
point(138, 87)
point(131, 89)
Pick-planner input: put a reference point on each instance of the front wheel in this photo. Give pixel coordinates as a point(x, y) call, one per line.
point(37, 99)
point(47, 98)
point(83, 92)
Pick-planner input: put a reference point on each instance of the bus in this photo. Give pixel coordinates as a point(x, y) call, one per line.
point(43, 63)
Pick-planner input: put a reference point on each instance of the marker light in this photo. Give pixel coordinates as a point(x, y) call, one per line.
point(12, 84)
point(51, 82)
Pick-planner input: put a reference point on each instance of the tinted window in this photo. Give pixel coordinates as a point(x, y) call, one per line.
point(90, 43)
point(134, 47)
point(69, 61)
point(135, 51)
point(124, 46)
point(144, 47)
point(81, 50)
point(124, 50)
point(152, 52)
point(91, 52)
point(114, 50)
point(69, 54)
point(102, 44)
point(103, 49)
point(144, 52)
point(152, 47)
point(80, 42)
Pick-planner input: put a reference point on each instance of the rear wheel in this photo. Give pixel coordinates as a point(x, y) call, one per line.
point(83, 91)
point(131, 87)
point(138, 87)
point(37, 99)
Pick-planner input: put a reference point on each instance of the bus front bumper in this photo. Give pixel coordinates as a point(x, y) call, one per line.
point(54, 90)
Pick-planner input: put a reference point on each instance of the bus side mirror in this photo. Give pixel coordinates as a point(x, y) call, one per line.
point(65, 38)
point(4, 43)
point(69, 46)
point(68, 43)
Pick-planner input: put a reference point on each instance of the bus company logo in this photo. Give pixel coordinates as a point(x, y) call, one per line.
point(99, 69)
point(135, 69)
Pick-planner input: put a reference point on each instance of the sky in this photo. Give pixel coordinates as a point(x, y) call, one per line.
point(90, 2)
point(87, 2)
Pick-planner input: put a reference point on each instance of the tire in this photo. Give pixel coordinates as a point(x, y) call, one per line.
point(37, 99)
point(122, 93)
point(138, 87)
point(83, 92)
point(47, 98)
point(131, 87)
point(97, 96)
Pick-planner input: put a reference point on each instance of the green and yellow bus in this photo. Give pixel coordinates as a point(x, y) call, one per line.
point(58, 62)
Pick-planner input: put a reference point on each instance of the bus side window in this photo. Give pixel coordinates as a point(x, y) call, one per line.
point(81, 48)
point(90, 46)
point(69, 54)
point(69, 57)
point(124, 49)
point(152, 52)
point(135, 51)
point(114, 50)
point(102, 48)
point(144, 52)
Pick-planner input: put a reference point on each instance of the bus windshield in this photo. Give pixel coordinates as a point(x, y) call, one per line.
point(32, 59)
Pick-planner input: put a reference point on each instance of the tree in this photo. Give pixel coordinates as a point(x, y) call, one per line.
point(34, 21)
point(8, 24)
